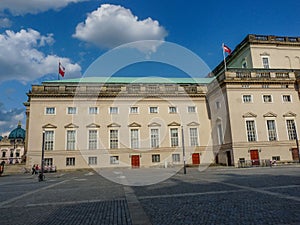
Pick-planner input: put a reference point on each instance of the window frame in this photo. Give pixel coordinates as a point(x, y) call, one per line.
point(247, 95)
point(193, 139)
point(71, 143)
point(174, 138)
point(113, 142)
point(71, 113)
point(113, 110)
point(267, 95)
point(153, 107)
point(49, 144)
point(92, 142)
point(48, 110)
point(93, 112)
point(154, 138)
point(70, 161)
point(253, 132)
point(134, 138)
point(155, 158)
point(274, 136)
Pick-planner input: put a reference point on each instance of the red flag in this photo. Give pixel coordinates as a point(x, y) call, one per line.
point(226, 49)
point(61, 69)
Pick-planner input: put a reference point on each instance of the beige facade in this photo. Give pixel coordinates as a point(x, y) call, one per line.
point(248, 112)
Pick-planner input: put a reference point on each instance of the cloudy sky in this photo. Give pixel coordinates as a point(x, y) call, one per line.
point(36, 34)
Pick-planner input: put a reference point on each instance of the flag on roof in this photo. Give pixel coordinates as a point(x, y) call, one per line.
point(61, 69)
point(226, 49)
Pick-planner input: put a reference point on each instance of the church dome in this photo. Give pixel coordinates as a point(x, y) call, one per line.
point(18, 133)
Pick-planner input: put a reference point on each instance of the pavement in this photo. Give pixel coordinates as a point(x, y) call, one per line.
point(214, 196)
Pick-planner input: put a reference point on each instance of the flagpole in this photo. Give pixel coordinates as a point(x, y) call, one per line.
point(225, 67)
point(58, 70)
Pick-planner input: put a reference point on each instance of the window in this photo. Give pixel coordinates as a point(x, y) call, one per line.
point(93, 110)
point(267, 98)
point(156, 158)
point(286, 98)
point(220, 133)
point(191, 109)
point(3, 154)
point(50, 110)
point(174, 137)
point(265, 62)
point(93, 160)
point(12, 153)
point(113, 138)
point(244, 64)
point(265, 86)
point(113, 110)
point(134, 138)
point(93, 134)
point(175, 158)
point(48, 161)
point(275, 158)
point(247, 98)
point(71, 136)
point(134, 110)
point(70, 161)
point(291, 129)
point(114, 160)
point(250, 124)
point(154, 136)
point(172, 109)
point(49, 140)
point(153, 109)
point(271, 130)
point(72, 110)
point(194, 137)
point(18, 153)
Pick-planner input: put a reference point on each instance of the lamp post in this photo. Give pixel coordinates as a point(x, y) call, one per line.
point(183, 150)
point(41, 175)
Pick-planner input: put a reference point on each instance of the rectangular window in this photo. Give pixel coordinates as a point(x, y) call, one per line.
point(191, 109)
point(267, 98)
point(250, 124)
point(194, 137)
point(134, 110)
point(275, 158)
point(172, 109)
point(247, 98)
point(93, 134)
point(93, 110)
point(286, 98)
point(175, 158)
point(271, 130)
point(50, 110)
point(134, 138)
point(154, 135)
point(265, 62)
point(114, 139)
point(70, 161)
point(156, 158)
point(114, 160)
point(48, 161)
point(174, 137)
point(113, 110)
point(291, 129)
point(72, 110)
point(71, 138)
point(220, 133)
point(153, 109)
point(49, 140)
point(93, 160)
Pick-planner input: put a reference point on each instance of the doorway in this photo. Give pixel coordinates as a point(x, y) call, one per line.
point(135, 161)
point(254, 156)
point(196, 158)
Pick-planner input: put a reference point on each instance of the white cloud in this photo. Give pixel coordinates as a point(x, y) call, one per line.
point(21, 59)
point(110, 26)
point(21, 7)
point(5, 22)
point(9, 119)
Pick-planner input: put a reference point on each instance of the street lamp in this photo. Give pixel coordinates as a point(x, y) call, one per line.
point(41, 175)
point(183, 150)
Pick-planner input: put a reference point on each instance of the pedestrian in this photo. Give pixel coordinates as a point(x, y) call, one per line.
point(33, 169)
point(36, 168)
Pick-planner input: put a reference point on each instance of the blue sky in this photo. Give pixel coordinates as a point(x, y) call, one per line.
point(36, 34)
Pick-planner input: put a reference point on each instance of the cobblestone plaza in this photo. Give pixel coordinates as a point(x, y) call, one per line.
point(214, 196)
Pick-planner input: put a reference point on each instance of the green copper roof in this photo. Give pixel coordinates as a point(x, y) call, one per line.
point(128, 80)
point(18, 133)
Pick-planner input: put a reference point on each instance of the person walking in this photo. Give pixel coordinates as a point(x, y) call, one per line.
point(33, 169)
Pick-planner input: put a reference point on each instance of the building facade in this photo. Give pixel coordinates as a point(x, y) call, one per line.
point(12, 146)
point(246, 113)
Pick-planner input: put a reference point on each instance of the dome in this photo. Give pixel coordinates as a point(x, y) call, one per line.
point(1, 138)
point(18, 133)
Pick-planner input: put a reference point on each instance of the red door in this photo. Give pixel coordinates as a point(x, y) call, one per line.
point(196, 158)
point(295, 154)
point(254, 156)
point(135, 161)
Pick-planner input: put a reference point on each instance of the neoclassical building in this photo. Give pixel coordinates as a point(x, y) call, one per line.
point(246, 113)
point(12, 146)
